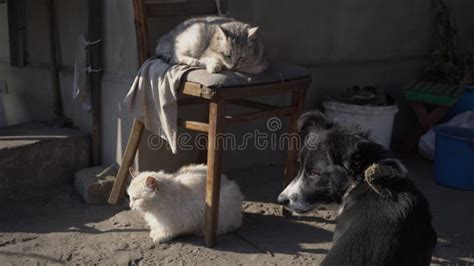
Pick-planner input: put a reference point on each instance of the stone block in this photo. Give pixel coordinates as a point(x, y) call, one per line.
point(95, 183)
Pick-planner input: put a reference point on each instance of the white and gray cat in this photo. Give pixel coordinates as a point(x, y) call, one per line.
point(214, 43)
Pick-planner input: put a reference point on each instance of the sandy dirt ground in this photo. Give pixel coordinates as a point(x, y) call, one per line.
point(61, 229)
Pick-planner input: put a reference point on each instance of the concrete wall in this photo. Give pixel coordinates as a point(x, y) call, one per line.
point(4, 52)
point(343, 43)
point(33, 82)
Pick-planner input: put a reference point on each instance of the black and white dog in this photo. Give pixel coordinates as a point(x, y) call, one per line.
point(383, 219)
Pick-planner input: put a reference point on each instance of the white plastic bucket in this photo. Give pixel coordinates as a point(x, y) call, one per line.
point(376, 119)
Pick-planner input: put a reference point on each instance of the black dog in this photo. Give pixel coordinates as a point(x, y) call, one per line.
point(383, 220)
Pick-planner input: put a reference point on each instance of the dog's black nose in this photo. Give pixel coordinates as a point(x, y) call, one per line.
point(283, 200)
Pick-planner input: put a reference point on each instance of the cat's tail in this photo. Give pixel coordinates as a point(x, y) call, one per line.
point(164, 49)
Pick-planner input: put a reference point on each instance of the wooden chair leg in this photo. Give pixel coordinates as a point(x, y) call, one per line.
point(120, 182)
point(214, 168)
point(297, 99)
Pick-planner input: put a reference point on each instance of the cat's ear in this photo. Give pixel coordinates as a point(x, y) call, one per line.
point(151, 182)
point(133, 172)
point(220, 33)
point(252, 33)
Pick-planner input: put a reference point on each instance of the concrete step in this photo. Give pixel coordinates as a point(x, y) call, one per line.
point(36, 158)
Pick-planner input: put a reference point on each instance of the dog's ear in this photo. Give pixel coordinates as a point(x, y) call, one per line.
point(396, 165)
point(365, 153)
point(340, 149)
point(313, 120)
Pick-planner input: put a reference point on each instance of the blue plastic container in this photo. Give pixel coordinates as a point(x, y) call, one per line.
point(454, 157)
point(465, 102)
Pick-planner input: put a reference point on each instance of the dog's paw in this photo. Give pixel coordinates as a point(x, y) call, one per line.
point(213, 68)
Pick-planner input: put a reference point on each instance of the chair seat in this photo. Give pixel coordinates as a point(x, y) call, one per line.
point(274, 74)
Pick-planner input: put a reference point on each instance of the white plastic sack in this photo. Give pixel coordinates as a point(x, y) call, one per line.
point(426, 146)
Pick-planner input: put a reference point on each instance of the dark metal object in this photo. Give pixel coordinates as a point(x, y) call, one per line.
point(54, 70)
point(94, 59)
point(16, 29)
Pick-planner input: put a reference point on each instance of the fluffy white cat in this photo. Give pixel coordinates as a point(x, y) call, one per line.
point(173, 204)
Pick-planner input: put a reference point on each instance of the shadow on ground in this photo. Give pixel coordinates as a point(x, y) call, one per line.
point(271, 234)
point(59, 211)
point(60, 228)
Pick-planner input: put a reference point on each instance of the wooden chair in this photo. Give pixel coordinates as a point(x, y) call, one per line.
point(216, 97)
